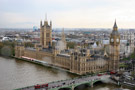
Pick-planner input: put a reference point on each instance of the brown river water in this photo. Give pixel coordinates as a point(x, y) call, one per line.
point(17, 73)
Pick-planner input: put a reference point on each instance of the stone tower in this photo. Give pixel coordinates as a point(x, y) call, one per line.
point(79, 59)
point(19, 51)
point(46, 34)
point(63, 39)
point(114, 49)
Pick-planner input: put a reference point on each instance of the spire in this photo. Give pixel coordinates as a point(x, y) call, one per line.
point(63, 31)
point(115, 24)
point(63, 35)
point(115, 29)
point(46, 17)
point(41, 23)
point(105, 53)
point(46, 22)
point(63, 39)
point(51, 23)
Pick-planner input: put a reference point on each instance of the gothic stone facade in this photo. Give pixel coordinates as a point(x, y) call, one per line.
point(46, 34)
point(75, 63)
point(78, 61)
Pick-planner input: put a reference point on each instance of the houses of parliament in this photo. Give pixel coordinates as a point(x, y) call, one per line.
point(78, 60)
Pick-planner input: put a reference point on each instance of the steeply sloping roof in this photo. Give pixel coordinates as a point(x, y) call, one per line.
point(115, 25)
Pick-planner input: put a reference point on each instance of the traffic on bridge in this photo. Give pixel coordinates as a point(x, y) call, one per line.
point(70, 83)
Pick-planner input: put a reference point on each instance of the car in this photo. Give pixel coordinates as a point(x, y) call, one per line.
point(44, 85)
point(99, 74)
point(37, 86)
point(112, 72)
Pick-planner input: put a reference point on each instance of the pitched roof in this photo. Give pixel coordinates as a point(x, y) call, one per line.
point(115, 25)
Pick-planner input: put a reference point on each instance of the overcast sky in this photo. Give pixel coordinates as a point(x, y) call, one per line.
point(67, 13)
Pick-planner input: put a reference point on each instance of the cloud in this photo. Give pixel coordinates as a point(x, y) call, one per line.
point(68, 13)
point(16, 19)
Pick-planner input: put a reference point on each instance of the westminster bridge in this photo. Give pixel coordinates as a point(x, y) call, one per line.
point(69, 84)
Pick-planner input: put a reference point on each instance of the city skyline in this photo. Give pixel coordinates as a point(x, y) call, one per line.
point(67, 13)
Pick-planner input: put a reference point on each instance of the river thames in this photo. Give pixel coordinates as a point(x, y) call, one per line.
point(17, 73)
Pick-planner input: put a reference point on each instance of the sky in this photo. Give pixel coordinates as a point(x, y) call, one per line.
point(67, 13)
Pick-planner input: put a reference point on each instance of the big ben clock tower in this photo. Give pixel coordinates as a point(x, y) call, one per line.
point(114, 49)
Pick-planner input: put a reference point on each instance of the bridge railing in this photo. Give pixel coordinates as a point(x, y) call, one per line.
point(76, 81)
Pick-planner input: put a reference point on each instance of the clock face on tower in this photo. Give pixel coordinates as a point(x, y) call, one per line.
point(112, 40)
point(117, 40)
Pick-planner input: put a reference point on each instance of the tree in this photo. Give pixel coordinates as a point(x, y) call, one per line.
point(131, 56)
point(1, 45)
point(28, 44)
point(7, 48)
point(71, 44)
point(6, 51)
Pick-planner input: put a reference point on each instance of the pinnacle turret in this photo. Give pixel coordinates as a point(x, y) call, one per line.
point(115, 25)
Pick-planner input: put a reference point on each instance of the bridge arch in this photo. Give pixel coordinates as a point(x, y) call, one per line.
point(81, 86)
point(97, 82)
point(65, 88)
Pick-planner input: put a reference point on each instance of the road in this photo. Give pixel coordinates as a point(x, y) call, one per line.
point(70, 82)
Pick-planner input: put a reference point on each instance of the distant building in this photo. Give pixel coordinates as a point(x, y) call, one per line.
point(6, 39)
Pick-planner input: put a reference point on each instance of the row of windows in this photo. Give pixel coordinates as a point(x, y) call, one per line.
point(93, 68)
point(62, 61)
